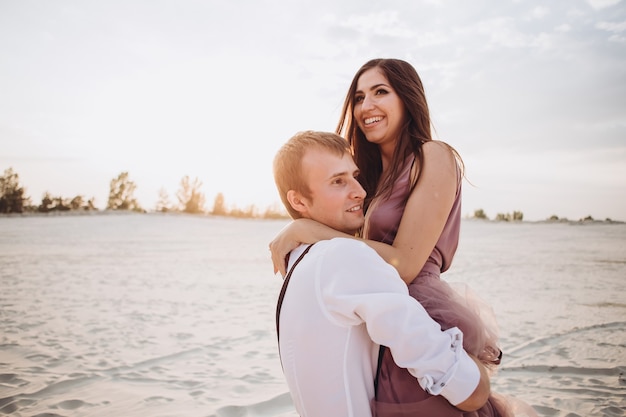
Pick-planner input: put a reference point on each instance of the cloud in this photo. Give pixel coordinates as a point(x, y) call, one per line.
point(385, 23)
point(539, 12)
point(602, 4)
point(615, 28)
point(563, 28)
point(502, 32)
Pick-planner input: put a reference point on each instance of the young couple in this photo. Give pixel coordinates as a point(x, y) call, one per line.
point(395, 222)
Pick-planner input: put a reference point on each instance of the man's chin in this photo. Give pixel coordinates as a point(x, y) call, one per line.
point(347, 227)
point(352, 230)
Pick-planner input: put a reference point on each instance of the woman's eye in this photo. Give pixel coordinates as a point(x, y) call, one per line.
point(381, 91)
point(358, 99)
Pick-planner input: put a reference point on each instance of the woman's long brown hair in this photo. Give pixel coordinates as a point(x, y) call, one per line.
point(407, 84)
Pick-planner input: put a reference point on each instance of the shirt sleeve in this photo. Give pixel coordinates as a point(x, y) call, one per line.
point(355, 286)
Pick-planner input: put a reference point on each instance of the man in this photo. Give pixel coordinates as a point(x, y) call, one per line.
point(342, 300)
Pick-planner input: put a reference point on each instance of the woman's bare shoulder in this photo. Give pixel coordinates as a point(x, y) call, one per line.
point(438, 158)
point(438, 150)
point(436, 146)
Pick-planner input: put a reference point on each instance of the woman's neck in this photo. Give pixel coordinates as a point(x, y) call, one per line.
point(386, 156)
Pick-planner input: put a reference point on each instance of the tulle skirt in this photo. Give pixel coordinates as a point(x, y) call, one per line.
point(451, 305)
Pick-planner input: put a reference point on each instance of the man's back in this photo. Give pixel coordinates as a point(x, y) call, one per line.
point(328, 357)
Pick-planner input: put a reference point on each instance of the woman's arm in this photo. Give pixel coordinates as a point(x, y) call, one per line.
point(295, 233)
point(425, 214)
point(424, 218)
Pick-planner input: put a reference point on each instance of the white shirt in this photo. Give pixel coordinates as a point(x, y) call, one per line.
point(342, 302)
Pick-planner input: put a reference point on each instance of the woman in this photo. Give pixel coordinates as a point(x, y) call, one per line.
point(413, 216)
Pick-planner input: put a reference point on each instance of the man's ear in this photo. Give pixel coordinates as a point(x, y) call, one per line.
point(297, 201)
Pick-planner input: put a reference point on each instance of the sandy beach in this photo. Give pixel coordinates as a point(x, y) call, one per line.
point(157, 315)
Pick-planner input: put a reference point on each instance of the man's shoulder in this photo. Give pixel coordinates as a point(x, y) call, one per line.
point(347, 249)
point(355, 267)
point(344, 243)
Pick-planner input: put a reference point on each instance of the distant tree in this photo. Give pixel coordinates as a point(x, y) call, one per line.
point(46, 203)
point(91, 204)
point(249, 212)
point(11, 193)
point(275, 211)
point(252, 210)
point(50, 203)
point(28, 206)
point(219, 205)
point(480, 214)
point(163, 203)
point(61, 204)
point(507, 217)
point(501, 217)
point(190, 198)
point(553, 218)
point(77, 202)
point(122, 194)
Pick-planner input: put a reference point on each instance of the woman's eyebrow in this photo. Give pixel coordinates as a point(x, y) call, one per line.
point(375, 86)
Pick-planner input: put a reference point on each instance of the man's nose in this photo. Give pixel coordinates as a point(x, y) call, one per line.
point(357, 190)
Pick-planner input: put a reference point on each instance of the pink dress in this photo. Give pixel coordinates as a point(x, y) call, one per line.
point(398, 391)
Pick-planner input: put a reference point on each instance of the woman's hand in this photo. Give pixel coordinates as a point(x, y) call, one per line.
point(296, 233)
point(284, 242)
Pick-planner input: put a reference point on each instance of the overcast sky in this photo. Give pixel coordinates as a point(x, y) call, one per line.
point(531, 93)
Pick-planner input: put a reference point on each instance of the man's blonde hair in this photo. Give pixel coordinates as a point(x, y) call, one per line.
point(288, 172)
